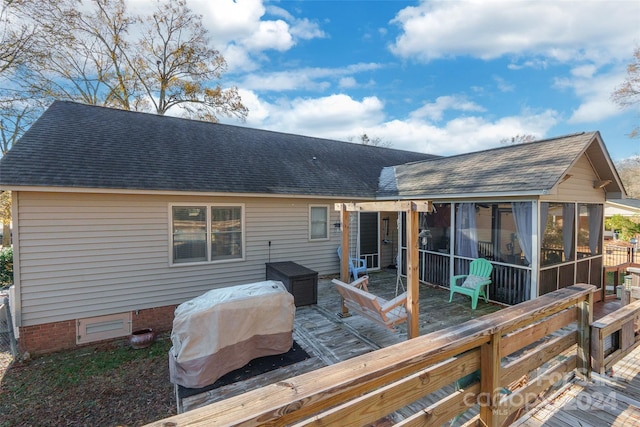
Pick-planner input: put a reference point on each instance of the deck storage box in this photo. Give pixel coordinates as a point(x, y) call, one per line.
point(301, 281)
point(224, 329)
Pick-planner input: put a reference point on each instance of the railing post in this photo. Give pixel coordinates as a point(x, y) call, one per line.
point(585, 319)
point(490, 365)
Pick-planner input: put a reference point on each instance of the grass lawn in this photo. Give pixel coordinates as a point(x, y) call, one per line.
point(92, 386)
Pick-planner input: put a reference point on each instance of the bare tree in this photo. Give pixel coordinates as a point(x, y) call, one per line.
point(375, 141)
point(175, 65)
point(17, 38)
point(518, 139)
point(628, 93)
point(89, 53)
point(629, 171)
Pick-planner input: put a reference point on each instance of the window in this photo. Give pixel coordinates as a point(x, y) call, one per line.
point(202, 233)
point(318, 222)
point(226, 232)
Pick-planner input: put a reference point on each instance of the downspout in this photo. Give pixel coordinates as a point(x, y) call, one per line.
point(16, 303)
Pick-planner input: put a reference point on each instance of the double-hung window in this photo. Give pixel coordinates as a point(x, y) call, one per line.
point(318, 222)
point(206, 233)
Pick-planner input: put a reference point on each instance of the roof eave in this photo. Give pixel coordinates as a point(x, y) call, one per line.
point(467, 196)
point(97, 190)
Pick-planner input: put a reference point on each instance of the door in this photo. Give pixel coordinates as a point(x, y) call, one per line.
point(369, 239)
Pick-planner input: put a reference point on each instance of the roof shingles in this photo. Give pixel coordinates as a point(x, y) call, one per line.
point(534, 167)
point(76, 145)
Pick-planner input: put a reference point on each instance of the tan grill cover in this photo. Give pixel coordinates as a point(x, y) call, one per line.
point(224, 329)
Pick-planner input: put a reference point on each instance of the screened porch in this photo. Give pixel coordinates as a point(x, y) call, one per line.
point(534, 247)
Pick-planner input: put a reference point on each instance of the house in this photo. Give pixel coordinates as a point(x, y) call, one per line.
point(119, 216)
point(624, 207)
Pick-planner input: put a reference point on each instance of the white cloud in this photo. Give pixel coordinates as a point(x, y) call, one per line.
point(340, 116)
point(306, 30)
point(242, 29)
point(503, 85)
point(313, 79)
point(435, 111)
point(594, 93)
point(347, 82)
point(463, 134)
point(269, 35)
point(335, 116)
point(491, 29)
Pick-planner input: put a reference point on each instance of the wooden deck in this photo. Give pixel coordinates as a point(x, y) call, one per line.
point(329, 339)
point(604, 401)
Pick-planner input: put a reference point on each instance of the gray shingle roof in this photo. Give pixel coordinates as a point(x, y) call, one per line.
point(531, 168)
point(82, 146)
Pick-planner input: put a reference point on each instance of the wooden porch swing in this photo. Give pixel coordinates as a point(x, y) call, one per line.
point(412, 209)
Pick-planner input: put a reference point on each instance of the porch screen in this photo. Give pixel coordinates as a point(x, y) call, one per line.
point(522, 212)
point(589, 230)
point(466, 243)
point(559, 233)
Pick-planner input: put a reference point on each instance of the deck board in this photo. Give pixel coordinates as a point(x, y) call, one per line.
point(605, 400)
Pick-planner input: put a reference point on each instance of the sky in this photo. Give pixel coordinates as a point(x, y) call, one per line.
point(439, 77)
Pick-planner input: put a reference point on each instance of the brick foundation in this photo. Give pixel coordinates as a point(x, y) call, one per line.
point(160, 319)
point(52, 337)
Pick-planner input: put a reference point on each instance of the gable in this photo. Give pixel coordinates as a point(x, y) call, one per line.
point(532, 169)
point(578, 185)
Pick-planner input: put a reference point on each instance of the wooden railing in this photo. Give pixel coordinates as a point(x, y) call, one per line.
point(615, 335)
point(548, 336)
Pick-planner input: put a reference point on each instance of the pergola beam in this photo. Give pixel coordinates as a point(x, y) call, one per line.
point(397, 206)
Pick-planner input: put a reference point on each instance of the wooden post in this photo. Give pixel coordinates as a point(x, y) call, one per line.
point(344, 264)
point(585, 319)
point(489, 398)
point(413, 307)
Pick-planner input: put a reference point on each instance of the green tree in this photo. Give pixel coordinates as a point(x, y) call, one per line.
point(625, 226)
point(628, 93)
point(5, 217)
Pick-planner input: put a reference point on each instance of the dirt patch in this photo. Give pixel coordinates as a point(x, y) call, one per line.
point(109, 386)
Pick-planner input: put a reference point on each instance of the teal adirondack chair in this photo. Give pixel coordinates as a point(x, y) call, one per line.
point(356, 266)
point(475, 284)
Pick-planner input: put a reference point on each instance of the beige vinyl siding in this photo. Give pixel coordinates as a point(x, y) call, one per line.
point(579, 187)
point(85, 255)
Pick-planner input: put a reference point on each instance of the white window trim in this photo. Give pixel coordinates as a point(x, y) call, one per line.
point(208, 207)
point(319, 239)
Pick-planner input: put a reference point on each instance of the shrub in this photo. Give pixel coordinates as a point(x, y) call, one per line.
point(6, 267)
